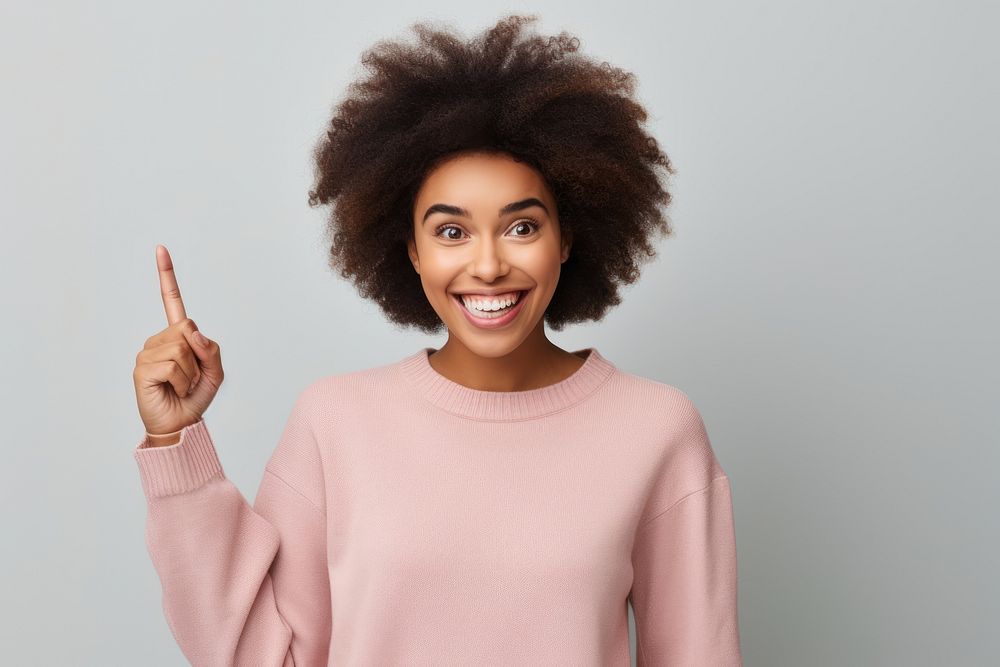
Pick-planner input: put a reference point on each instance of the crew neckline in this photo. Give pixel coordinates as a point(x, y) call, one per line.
point(504, 405)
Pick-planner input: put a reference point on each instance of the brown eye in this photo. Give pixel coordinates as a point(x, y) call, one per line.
point(437, 232)
point(530, 224)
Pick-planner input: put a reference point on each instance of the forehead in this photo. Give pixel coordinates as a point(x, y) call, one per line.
point(471, 180)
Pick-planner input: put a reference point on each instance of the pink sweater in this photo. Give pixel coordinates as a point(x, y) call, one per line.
point(405, 519)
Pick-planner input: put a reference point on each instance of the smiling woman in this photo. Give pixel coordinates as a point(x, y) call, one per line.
point(573, 122)
point(499, 500)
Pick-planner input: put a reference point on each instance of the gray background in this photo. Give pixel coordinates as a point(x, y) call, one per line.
point(828, 300)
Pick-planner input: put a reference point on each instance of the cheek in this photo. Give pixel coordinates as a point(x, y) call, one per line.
point(544, 267)
point(437, 280)
point(435, 266)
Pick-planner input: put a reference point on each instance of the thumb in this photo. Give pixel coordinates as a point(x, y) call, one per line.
point(208, 355)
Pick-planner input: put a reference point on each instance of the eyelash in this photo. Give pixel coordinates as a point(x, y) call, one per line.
point(534, 226)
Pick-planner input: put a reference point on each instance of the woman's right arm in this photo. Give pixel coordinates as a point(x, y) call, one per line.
point(241, 585)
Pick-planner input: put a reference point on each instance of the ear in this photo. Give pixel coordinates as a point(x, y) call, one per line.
point(567, 243)
point(411, 250)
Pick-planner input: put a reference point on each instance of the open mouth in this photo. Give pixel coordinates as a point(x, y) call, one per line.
point(491, 313)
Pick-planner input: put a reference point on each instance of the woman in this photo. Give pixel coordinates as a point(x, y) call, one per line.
point(499, 500)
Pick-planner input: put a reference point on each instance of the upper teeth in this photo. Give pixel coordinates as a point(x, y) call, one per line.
point(497, 302)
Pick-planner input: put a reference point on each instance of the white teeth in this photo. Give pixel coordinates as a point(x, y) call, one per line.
point(487, 309)
point(478, 304)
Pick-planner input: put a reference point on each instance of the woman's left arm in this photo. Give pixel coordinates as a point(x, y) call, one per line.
point(684, 591)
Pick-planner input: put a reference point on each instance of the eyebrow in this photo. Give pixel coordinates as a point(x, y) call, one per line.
point(509, 208)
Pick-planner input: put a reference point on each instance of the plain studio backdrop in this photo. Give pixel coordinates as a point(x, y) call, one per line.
point(828, 300)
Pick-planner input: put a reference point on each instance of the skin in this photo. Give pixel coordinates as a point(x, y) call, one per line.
point(178, 371)
point(490, 251)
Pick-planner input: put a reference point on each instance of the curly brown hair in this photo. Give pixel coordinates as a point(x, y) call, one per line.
point(524, 95)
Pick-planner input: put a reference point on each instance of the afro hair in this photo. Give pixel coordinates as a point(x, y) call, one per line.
point(507, 91)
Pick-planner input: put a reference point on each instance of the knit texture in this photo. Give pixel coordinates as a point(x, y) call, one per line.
point(405, 519)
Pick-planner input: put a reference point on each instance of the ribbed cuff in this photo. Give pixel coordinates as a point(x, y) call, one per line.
point(181, 467)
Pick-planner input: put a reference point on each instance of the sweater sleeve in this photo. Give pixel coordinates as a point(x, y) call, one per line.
point(684, 590)
point(241, 585)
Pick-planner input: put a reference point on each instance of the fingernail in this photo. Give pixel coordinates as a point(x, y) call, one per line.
point(201, 339)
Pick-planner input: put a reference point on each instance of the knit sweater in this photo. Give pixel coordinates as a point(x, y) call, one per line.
point(406, 519)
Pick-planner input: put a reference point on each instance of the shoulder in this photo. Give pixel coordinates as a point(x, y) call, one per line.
point(344, 392)
point(671, 424)
point(674, 444)
point(668, 408)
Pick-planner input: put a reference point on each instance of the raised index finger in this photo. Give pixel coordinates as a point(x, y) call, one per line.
point(169, 290)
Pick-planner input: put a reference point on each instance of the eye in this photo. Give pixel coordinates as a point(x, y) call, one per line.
point(437, 232)
point(525, 222)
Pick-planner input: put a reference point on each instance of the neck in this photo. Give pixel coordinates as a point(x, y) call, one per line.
point(432, 387)
point(536, 362)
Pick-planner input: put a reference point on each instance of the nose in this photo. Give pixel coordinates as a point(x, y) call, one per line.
point(487, 262)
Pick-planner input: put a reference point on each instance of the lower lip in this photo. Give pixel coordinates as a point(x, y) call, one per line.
point(496, 322)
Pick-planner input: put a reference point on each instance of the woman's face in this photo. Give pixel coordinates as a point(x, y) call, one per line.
point(486, 224)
